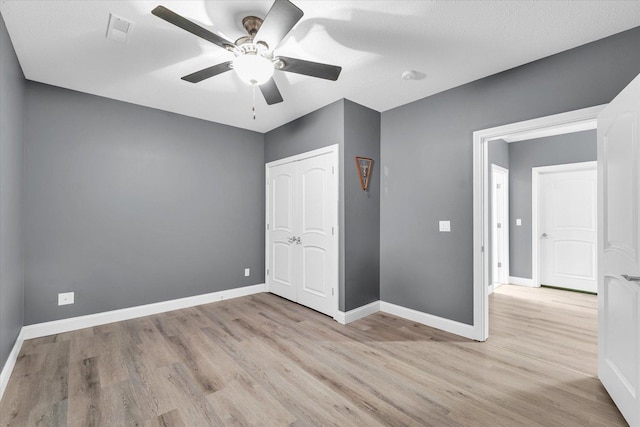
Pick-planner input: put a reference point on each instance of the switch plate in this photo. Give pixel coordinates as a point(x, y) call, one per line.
point(246, 272)
point(518, 221)
point(445, 226)
point(66, 298)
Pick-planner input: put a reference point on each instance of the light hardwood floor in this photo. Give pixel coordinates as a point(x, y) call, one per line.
point(264, 361)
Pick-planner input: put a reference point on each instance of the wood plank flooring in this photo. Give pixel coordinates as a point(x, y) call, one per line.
point(264, 361)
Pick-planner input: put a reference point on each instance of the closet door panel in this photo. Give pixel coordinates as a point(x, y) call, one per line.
point(316, 235)
point(283, 218)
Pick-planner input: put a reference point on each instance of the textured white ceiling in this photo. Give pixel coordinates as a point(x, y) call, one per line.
point(448, 43)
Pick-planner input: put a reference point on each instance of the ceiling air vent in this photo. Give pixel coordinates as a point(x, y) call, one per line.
point(118, 28)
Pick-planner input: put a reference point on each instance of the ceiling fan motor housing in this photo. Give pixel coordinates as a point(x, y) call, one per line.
point(252, 24)
point(246, 46)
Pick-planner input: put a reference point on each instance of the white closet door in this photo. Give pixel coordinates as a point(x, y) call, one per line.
point(302, 261)
point(283, 224)
point(317, 204)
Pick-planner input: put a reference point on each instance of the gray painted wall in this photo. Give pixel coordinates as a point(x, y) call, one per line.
point(426, 150)
point(357, 131)
point(362, 209)
point(11, 160)
point(498, 154)
point(318, 129)
point(126, 205)
point(524, 155)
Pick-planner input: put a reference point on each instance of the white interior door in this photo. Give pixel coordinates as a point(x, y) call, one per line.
point(568, 226)
point(499, 225)
point(316, 233)
point(283, 223)
point(301, 239)
point(619, 251)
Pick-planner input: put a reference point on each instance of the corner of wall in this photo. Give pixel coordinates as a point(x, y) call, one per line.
point(12, 136)
point(361, 208)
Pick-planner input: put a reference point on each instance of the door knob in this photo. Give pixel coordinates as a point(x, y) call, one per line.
point(298, 241)
point(631, 278)
point(291, 239)
point(544, 235)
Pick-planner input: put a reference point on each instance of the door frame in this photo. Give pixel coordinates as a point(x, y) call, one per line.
point(331, 149)
point(505, 268)
point(536, 213)
point(583, 119)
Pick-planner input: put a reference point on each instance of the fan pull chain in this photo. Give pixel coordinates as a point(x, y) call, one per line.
point(253, 108)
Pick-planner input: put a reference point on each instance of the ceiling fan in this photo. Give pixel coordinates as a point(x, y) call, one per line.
point(255, 60)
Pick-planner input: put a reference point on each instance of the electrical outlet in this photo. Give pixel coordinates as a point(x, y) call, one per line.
point(66, 298)
point(247, 272)
point(444, 226)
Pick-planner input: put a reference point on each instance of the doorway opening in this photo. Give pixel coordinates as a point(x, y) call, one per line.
point(575, 121)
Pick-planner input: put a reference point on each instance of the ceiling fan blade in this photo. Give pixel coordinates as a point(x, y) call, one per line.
point(179, 21)
point(280, 19)
point(271, 92)
point(308, 68)
point(201, 75)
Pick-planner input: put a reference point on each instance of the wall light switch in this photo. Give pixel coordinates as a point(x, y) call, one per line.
point(445, 226)
point(246, 272)
point(66, 298)
point(518, 221)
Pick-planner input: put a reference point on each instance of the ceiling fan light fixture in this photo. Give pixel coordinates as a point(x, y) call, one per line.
point(254, 62)
point(253, 69)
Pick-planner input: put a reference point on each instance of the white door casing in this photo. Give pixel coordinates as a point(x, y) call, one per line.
point(565, 198)
point(500, 225)
point(619, 251)
point(302, 232)
point(556, 124)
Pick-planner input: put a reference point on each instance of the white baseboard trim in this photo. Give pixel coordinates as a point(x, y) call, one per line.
point(90, 320)
point(357, 313)
point(521, 281)
point(462, 329)
point(5, 374)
